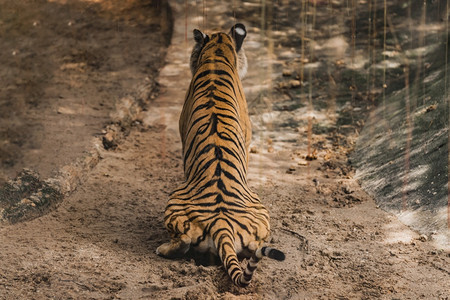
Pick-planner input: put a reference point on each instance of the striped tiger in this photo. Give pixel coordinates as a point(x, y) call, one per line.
point(214, 210)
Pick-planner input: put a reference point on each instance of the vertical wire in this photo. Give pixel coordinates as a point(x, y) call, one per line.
point(263, 16)
point(424, 42)
point(233, 7)
point(446, 52)
point(185, 20)
point(270, 44)
point(369, 46)
point(410, 24)
point(419, 71)
point(310, 79)
point(270, 51)
point(204, 15)
point(353, 53)
point(302, 49)
point(261, 79)
point(311, 54)
point(303, 18)
point(374, 46)
point(384, 58)
point(408, 137)
point(198, 15)
point(406, 71)
point(332, 83)
point(446, 94)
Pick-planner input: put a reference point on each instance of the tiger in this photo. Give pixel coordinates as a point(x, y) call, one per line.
point(214, 210)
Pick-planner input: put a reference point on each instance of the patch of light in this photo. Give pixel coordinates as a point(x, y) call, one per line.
point(388, 64)
point(399, 233)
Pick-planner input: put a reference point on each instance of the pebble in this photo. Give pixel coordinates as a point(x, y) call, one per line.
point(254, 150)
point(287, 73)
point(423, 238)
point(65, 111)
point(295, 83)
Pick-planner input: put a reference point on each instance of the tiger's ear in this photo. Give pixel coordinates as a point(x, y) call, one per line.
point(200, 37)
point(200, 40)
point(238, 33)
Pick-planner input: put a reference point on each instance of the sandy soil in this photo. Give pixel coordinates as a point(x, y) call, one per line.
point(100, 242)
point(64, 68)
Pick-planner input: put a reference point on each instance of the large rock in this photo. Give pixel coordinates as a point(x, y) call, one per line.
point(402, 153)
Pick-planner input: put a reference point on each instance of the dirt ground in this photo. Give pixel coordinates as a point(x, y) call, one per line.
point(64, 66)
point(100, 242)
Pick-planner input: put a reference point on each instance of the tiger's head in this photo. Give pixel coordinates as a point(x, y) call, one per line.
point(235, 38)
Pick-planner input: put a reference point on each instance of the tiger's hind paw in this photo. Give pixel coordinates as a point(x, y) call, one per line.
point(175, 248)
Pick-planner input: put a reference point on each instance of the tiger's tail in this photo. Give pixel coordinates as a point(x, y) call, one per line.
point(254, 260)
point(227, 254)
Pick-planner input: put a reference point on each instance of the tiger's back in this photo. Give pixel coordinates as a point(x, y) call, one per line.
point(214, 210)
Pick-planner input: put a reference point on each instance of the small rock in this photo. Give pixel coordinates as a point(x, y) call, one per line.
point(65, 111)
point(311, 157)
point(283, 85)
point(254, 150)
point(295, 83)
point(108, 141)
point(347, 190)
point(423, 238)
point(287, 73)
point(431, 108)
point(290, 170)
point(27, 201)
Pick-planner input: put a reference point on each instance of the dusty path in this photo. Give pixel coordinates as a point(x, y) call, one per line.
point(100, 242)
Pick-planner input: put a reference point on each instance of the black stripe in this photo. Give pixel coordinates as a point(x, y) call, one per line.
point(208, 72)
point(191, 146)
point(200, 85)
point(243, 226)
point(219, 230)
point(225, 61)
point(231, 177)
point(228, 84)
point(218, 170)
point(200, 190)
point(194, 123)
point(251, 268)
point(226, 136)
point(232, 271)
point(213, 122)
point(206, 105)
point(192, 183)
point(224, 100)
point(235, 155)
